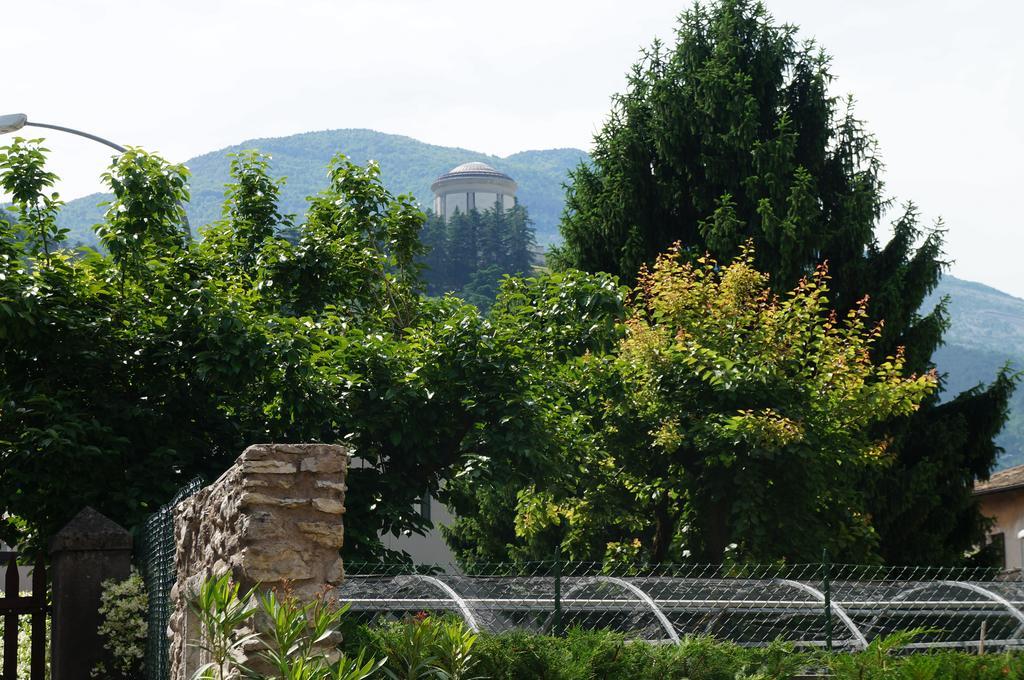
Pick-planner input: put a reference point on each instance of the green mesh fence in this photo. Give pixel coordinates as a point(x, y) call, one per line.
point(815, 606)
point(157, 566)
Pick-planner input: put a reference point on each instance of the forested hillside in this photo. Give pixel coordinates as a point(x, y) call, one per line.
point(986, 333)
point(407, 166)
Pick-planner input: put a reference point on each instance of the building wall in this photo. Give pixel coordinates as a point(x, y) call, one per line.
point(430, 548)
point(484, 200)
point(427, 549)
point(453, 202)
point(1007, 508)
point(466, 194)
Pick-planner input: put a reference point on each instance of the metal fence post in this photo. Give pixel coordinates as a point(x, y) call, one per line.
point(558, 591)
point(826, 588)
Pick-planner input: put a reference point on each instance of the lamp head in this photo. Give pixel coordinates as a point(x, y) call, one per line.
point(12, 122)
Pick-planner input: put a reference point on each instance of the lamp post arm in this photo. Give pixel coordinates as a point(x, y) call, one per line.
point(16, 121)
point(116, 147)
point(112, 145)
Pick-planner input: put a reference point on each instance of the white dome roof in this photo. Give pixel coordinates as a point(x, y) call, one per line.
point(475, 166)
point(473, 169)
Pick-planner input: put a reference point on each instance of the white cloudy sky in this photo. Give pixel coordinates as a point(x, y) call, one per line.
point(939, 81)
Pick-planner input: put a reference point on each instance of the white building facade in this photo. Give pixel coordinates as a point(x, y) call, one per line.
point(472, 186)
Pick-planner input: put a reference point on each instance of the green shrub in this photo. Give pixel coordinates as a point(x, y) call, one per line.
point(937, 665)
point(123, 607)
point(523, 655)
point(437, 647)
point(602, 655)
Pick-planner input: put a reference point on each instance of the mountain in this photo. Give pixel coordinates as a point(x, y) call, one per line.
point(986, 333)
point(407, 166)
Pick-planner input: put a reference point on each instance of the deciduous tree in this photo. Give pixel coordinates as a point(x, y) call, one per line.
point(126, 372)
point(728, 418)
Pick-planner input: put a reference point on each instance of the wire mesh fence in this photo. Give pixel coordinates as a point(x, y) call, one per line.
point(842, 607)
point(156, 560)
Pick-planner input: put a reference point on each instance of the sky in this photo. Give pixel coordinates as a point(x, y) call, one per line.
point(941, 84)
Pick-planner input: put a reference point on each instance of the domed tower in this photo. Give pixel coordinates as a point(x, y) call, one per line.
point(472, 186)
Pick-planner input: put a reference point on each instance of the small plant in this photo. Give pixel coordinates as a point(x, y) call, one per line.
point(877, 660)
point(411, 653)
point(429, 647)
point(123, 607)
point(223, 616)
point(774, 662)
point(295, 631)
point(454, 644)
point(291, 646)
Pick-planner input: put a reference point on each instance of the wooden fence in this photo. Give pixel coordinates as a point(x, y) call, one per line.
point(14, 605)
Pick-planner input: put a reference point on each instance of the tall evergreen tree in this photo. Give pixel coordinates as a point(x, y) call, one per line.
point(491, 229)
point(472, 251)
point(731, 136)
point(519, 241)
point(463, 249)
point(436, 259)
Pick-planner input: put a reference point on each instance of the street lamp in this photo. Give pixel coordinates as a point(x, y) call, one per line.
point(15, 121)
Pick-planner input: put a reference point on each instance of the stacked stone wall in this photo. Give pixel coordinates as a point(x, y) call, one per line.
point(273, 520)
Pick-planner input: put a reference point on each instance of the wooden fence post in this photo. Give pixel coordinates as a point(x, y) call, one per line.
point(12, 584)
point(89, 550)
point(14, 605)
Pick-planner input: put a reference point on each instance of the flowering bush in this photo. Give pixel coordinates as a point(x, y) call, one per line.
point(123, 607)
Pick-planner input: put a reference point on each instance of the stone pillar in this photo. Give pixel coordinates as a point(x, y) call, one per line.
point(88, 551)
point(273, 519)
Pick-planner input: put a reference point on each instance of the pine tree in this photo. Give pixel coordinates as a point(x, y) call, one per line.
point(463, 249)
point(731, 136)
point(471, 253)
point(519, 241)
point(436, 261)
point(490, 238)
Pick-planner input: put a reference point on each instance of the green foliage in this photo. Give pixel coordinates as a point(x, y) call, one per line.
point(291, 635)
point(295, 630)
point(730, 134)
point(408, 167)
point(456, 655)
point(728, 419)
point(546, 325)
point(583, 655)
point(124, 374)
point(472, 252)
point(428, 647)
point(147, 211)
point(221, 615)
point(23, 176)
point(123, 609)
